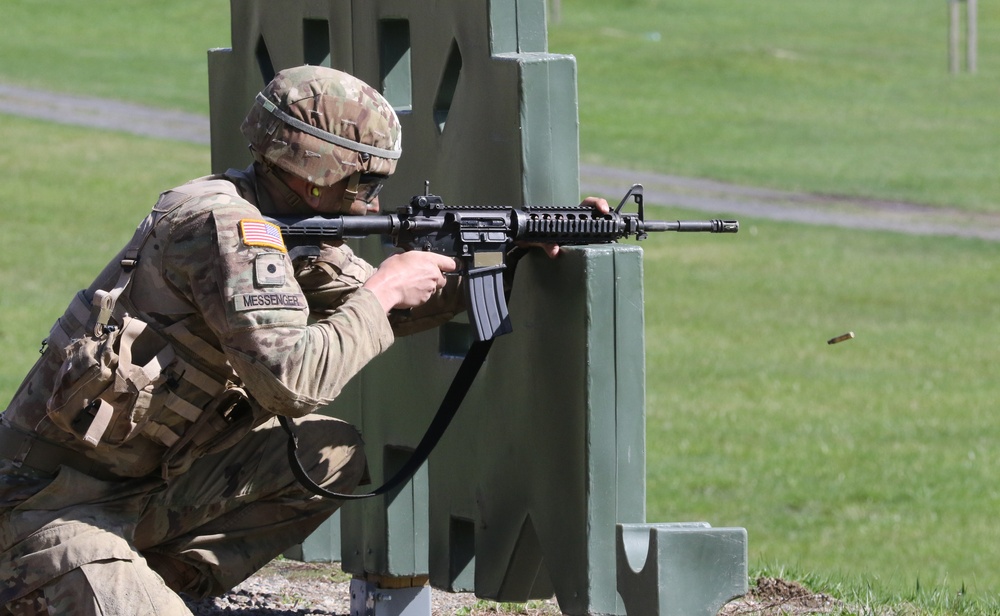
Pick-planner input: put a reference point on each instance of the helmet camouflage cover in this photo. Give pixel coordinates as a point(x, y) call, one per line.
point(323, 125)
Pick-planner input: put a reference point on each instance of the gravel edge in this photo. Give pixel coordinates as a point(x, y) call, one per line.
point(287, 587)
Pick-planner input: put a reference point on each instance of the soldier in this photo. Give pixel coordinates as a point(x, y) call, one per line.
point(140, 457)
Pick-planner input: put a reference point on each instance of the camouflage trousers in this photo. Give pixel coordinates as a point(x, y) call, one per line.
point(75, 544)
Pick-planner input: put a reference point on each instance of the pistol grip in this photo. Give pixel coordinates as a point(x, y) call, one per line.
point(487, 304)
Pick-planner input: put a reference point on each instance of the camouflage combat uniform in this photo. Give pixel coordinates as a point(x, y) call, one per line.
point(234, 310)
point(140, 456)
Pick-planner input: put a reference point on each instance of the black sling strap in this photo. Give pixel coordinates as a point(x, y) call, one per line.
point(449, 406)
point(446, 411)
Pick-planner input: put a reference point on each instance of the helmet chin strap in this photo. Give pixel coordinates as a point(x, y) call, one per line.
point(351, 192)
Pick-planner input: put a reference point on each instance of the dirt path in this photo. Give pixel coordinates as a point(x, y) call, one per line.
point(716, 199)
point(103, 113)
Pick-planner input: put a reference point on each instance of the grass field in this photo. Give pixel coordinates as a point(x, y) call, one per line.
point(875, 455)
point(70, 198)
point(867, 464)
point(846, 97)
point(142, 50)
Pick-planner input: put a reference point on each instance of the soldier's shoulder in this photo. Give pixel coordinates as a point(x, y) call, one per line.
point(211, 190)
point(204, 197)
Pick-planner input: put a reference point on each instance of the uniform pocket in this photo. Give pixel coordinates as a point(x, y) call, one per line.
point(109, 387)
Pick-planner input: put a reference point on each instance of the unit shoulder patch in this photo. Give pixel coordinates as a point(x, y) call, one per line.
point(269, 270)
point(256, 232)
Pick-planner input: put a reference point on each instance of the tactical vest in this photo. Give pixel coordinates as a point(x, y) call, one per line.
point(123, 378)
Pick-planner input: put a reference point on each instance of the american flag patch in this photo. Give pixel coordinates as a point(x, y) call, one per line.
point(261, 233)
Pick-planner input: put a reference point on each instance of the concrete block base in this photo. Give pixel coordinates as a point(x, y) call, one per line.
point(680, 569)
point(370, 599)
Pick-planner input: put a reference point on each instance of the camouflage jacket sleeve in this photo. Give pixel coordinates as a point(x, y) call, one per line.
point(329, 279)
point(235, 271)
point(441, 308)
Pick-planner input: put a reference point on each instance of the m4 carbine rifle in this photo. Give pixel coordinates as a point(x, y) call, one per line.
point(482, 238)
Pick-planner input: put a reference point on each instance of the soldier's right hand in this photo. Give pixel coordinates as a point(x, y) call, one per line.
point(409, 279)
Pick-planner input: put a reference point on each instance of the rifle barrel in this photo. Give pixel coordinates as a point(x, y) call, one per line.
point(693, 226)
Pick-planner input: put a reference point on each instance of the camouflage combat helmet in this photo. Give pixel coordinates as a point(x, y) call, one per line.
point(323, 125)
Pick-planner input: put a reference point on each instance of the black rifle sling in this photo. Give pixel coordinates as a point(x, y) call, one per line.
point(449, 406)
point(446, 411)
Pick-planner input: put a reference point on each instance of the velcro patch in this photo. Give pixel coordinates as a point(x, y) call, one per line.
point(269, 270)
point(257, 232)
point(268, 301)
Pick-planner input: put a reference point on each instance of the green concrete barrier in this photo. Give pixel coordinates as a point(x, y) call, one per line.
point(522, 496)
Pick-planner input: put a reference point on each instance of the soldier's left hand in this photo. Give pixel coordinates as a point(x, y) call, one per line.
point(597, 203)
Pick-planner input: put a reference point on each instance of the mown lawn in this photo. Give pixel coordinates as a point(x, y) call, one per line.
point(868, 464)
point(850, 97)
